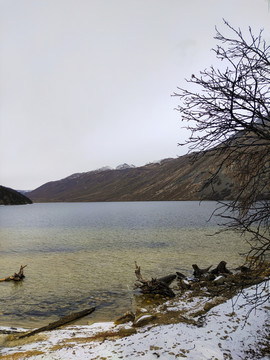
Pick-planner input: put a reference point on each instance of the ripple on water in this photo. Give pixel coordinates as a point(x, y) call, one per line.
point(91, 261)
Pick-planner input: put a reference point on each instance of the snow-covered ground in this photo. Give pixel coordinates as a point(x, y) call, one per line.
point(222, 333)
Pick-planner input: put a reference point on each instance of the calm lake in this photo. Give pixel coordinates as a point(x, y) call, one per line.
point(80, 255)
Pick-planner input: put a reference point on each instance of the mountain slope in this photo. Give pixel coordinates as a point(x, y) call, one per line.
point(12, 197)
point(170, 179)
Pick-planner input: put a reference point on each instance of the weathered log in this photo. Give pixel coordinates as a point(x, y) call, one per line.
point(221, 269)
point(180, 276)
point(167, 279)
point(15, 277)
point(62, 321)
point(199, 272)
point(138, 273)
point(244, 269)
point(154, 286)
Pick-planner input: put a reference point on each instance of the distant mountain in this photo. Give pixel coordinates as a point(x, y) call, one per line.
point(104, 168)
point(168, 179)
point(12, 197)
point(124, 166)
point(24, 192)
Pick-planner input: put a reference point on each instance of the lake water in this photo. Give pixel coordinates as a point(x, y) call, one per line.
point(80, 255)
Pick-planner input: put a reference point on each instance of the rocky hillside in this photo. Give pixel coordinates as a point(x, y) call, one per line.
point(169, 179)
point(11, 197)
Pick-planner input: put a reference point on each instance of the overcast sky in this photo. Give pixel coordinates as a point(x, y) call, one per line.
point(88, 83)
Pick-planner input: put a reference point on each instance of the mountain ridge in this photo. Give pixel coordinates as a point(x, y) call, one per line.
point(181, 178)
point(9, 196)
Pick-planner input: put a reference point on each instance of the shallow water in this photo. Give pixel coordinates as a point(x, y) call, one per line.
point(80, 255)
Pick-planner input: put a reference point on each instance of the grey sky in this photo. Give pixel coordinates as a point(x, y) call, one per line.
point(87, 83)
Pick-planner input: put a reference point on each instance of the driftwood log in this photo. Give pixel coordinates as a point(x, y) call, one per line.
point(154, 286)
point(167, 279)
point(56, 324)
point(221, 269)
point(15, 277)
point(198, 273)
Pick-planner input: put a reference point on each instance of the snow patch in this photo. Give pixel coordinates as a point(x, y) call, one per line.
point(225, 334)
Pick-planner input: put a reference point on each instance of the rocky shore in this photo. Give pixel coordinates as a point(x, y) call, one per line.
point(224, 332)
point(204, 320)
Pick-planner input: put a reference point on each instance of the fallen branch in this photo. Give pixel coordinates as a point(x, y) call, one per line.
point(138, 273)
point(62, 321)
point(154, 286)
point(167, 279)
point(15, 277)
point(221, 269)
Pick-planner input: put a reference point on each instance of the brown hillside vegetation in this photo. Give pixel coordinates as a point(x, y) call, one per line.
point(182, 178)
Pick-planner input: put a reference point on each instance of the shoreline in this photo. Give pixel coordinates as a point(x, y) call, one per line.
point(223, 332)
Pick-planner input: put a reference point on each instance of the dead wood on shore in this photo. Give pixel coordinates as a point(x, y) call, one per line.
point(56, 324)
point(154, 286)
point(15, 277)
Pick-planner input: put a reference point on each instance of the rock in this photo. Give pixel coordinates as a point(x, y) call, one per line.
point(219, 280)
point(128, 316)
point(143, 320)
point(141, 310)
point(215, 301)
point(208, 306)
point(184, 284)
point(126, 331)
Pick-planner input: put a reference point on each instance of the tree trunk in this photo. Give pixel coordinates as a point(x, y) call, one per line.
point(62, 321)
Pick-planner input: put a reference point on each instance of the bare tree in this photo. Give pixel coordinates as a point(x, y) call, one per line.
point(228, 115)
